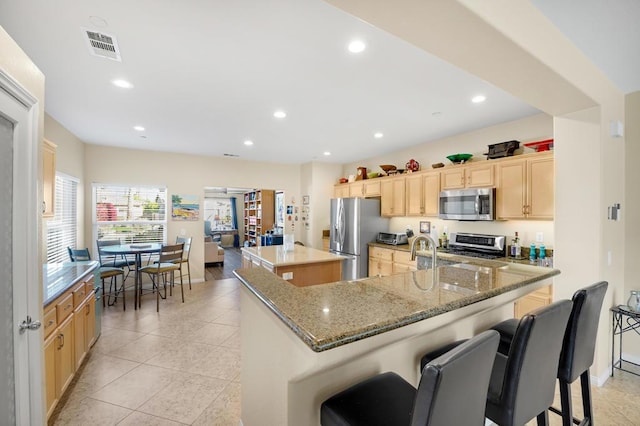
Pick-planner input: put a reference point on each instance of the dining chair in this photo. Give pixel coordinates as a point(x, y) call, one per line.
point(116, 261)
point(185, 257)
point(106, 272)
point(168, 263)
point(452, 391)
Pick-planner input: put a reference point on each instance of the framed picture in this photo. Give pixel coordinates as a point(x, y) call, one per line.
point(305, 199)
point(185, 207)
point(425, 227)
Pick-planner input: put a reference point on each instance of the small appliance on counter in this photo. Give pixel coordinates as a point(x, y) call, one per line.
point(392, 238)
point(478, 245)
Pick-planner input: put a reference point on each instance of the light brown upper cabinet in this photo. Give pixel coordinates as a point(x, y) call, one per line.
point(471, 176)
point(422, 192)
point(526, 188)
point(341, 190)
point(48, 178)
point(392, 196)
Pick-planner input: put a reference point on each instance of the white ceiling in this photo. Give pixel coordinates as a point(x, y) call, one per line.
point(208, 75)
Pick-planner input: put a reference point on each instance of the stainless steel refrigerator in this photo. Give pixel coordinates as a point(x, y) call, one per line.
point(355, 222)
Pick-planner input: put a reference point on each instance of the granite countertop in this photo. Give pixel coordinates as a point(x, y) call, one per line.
point(330, 315)
point(277, 256)
point(59, 277)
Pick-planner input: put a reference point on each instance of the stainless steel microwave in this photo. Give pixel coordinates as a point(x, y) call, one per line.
point(468, 204)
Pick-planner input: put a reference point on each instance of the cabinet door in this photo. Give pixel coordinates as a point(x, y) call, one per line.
point(90, 321)
point(480, 176)
point(540, 188)
point(431, 188)
point(511, 190)
point(399, 196)
point(48, 178)
point(386, 197)
point(452, 178)
point(50, 350)
point(65, 363)
point(414, 195)
point(371, 188)
point(341, 191)
point(355, 189)
point(79, 336)
point(380, 267)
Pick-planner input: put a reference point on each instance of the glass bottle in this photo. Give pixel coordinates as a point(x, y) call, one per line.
point(518, 250)
point(634, 301)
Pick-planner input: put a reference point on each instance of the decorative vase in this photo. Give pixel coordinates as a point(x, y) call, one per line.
point(634, 301)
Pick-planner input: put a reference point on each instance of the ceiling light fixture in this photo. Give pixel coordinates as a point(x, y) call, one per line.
point(138, 128)
point(327, 153)
point(378, 135)
point(248, 142)
point(122, 83)
point(357, 46)
point(478, 99)
point(279, 114)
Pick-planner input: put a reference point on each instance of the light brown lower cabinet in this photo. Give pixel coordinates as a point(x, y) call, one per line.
point(532, 301)
point(69, 333)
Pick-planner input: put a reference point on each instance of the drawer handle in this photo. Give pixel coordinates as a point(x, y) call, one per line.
point(50, 323)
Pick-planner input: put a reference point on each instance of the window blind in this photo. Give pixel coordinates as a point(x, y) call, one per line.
point(130, 214)
point(62, 229)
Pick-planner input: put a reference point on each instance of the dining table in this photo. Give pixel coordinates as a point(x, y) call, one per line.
point(137, 250)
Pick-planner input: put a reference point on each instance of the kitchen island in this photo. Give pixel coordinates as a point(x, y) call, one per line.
point(300, 345)
point(301, 266)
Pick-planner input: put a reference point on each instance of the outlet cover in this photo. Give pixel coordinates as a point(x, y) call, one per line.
point(539, 237)
point(287, 276)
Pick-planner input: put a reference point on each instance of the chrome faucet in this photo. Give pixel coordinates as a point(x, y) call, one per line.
point(434, 258)
point(424, 237)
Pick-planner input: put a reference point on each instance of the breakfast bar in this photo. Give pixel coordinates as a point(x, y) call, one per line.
point(301, 345)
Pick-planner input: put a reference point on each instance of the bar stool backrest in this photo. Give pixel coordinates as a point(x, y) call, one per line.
point(453, 387)
point(580, 336)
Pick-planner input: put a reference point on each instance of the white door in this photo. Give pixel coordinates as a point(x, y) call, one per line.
point(21, 392)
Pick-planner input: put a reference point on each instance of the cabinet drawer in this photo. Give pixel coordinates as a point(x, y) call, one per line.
point(381, 253)
point(64, 308)
point(79, 294)
point(403, 257)
point(401, 267)
point(49, 321)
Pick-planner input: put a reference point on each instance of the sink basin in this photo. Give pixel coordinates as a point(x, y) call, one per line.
point(426, 262)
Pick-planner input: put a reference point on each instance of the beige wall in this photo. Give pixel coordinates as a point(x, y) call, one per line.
point(182, 174)
point(70, 161)
point(631, 208)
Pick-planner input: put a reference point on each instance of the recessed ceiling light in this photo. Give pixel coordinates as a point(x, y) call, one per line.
point(327, 153)
point(138, 128)
point(378, 135)
point(357, 46)
point(279, 114)
point(248, 142)
point(478, 99)
point(122, 83)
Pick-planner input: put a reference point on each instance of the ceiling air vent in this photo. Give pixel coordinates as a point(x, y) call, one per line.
point(102, 45)
point(230, 155)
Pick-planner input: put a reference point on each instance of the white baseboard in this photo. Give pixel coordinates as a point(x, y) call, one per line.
point(601, 380)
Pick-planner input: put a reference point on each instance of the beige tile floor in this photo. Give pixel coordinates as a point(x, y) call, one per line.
point(178, 366)
point(182, 366)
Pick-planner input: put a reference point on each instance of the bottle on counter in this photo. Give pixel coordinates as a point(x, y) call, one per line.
point(532, 253)
point(541, 258)
point(518, 248)
point(445, 239)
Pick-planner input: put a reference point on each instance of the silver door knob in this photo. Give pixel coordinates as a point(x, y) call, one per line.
point(28, 324)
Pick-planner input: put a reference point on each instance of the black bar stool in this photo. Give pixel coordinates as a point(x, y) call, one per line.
point(578, 347)
point(523, 382)
point(460, 376)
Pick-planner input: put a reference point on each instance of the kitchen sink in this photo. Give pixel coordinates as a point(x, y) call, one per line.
point(426, 262)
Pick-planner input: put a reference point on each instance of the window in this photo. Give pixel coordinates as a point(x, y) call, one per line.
point(131, 214)
point(62, 229)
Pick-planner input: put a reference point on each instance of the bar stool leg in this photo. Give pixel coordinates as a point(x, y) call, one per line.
point(565, 403)
point(543, 418)
point(585, 383)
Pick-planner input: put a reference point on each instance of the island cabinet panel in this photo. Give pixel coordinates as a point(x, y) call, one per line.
point(526, 188)
point(532, 301)
point(310, 274)
point(392, 197)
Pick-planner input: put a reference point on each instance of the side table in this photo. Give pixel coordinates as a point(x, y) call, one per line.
point(623, 320)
